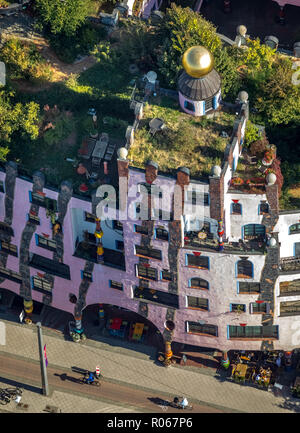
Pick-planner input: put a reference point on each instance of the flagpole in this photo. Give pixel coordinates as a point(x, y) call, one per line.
point(45, 385)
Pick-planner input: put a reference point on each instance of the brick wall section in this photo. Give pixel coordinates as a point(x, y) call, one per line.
point(216, 192)
point(28, 232)
point(183, 179)
point(10, 182)
point(88, 267)
point(272, 197)
point(63, 199)
point(270, 270)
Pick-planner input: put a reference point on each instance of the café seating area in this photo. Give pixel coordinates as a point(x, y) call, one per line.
point(257, 368)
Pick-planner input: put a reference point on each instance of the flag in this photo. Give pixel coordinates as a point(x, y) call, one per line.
point(45, 356)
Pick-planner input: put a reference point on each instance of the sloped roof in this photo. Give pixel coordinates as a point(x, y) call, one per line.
point(199, 89)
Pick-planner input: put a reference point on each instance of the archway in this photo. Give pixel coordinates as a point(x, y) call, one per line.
point(122, 326)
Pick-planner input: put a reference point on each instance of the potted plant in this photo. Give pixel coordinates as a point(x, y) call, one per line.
point(237, 181)
point(268, 158)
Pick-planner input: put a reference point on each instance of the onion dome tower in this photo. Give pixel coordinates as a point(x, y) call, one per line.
point(199, 84)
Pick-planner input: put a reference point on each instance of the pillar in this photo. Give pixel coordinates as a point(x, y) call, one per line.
point(78, 324)
point(98, 235)
point(168, 351)
point(28, 308)
point(220, 235)
point(225, 362)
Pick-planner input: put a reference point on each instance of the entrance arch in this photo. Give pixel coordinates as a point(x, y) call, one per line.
point(120, 322)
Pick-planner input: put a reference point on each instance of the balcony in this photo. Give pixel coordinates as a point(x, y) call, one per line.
point(87, 250)
point(290, 265)
point(207, 241)
point(158, 297)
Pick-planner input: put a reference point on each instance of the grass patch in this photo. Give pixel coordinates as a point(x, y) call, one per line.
point(187, 141)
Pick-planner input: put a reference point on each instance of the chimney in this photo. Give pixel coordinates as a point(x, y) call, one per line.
point(216, 192)
point(183, 179)
point(151, 171)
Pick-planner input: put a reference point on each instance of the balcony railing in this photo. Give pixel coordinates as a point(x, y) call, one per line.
point(209, 242)
point(290, 264)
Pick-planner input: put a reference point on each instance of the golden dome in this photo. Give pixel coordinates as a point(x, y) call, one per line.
point(197, 61)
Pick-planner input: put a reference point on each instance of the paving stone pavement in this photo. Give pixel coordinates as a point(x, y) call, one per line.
point(65, 402)
point(21, 340)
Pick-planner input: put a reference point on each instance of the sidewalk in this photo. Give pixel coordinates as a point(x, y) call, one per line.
point(117, 365)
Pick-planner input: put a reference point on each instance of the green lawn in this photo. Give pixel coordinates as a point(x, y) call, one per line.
point(104, 87)
point(188, 141)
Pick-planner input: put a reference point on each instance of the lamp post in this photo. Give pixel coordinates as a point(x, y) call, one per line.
point(42, 360)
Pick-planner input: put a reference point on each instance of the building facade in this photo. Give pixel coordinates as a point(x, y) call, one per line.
point(226, 276)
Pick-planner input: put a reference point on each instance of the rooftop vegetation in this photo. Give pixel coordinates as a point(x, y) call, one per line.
point(187, 141)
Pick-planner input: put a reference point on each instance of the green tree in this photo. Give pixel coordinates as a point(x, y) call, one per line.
point(275, 95)
point(63, 16)
point(181, 29)
point(16, 120)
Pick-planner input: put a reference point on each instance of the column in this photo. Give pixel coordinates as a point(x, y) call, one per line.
point(28, 308)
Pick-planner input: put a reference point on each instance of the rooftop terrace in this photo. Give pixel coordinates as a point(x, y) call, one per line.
point(188, 141)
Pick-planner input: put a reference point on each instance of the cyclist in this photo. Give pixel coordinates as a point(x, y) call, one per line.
point(90, 379)
point(184, 403)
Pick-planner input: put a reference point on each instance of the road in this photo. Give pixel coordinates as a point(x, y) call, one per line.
point(28, 372)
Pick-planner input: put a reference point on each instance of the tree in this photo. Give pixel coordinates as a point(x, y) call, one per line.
point(183, 28)
point(276, 97)
point(62, 16)
point(16, 119)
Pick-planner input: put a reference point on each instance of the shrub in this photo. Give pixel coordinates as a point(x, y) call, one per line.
point(258, 147)
point(25, 61)
point(252, 133)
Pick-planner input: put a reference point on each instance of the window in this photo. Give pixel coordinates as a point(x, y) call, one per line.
point(161, 234)
point(290, 308)
point(253, 332)
point(9, 248)
point(198, 283)
point(89, 217)
point(41, 200)
point(166, 275)
point(115, 285)
point(72, 298)
point(197, 328)
point(197, 197)
point(6, 228)
point(244, 269)
point(236, 209)
point(50, 266)
point(194, 261)
point(289, 288)
point(2, 186)
point(297, 249)
point(199, 303)
point(146, 272)
point(146, 252)
point(238, 308)
point(117, 225)
point(156, 296)
point(254, 231)
point(209, 104)
point(295, 228)
point(33, 218)
point(263, 208)
point(141, 229)
point(10, 275)
point(43, 242)
point(259, 307)
point(161, 214)
point(86, 276)
point(41, 285)
point(120, 245)
point(189, 106)
point(248, 288)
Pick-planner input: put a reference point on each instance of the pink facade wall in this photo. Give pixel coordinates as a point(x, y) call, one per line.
point(288, 2)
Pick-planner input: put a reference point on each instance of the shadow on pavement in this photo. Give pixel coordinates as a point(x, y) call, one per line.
point(64, 377)
point(30, 388)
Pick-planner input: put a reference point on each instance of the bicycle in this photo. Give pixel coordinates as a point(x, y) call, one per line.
point(179, 406)
point(86, 381)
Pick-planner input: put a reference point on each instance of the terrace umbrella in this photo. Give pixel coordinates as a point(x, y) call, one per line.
point(81, 169)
